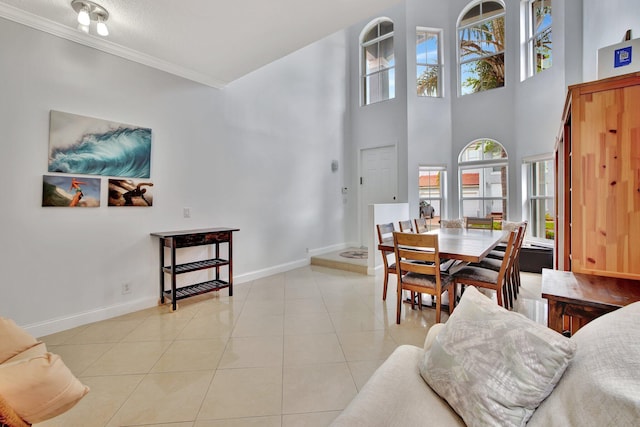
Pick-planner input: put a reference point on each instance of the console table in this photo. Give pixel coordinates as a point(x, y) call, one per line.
point(187, 238)
point(578, 298)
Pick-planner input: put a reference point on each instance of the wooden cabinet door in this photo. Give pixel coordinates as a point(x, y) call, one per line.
point(605, 219)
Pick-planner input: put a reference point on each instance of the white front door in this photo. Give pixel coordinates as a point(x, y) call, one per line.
point(378, 183)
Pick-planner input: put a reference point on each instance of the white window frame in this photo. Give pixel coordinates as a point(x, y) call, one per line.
point(442, 199)
point(438, 32)
point(460, 27)
point(528, 37)
point(363, 73)
point(532, 197)
point(483, 164)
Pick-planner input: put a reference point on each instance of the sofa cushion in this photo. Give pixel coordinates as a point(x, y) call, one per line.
point(494, 366)
point(13, 339)
point(601, 386)
point(40, 388)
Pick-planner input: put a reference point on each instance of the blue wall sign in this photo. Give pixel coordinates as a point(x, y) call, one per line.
point(622, 57)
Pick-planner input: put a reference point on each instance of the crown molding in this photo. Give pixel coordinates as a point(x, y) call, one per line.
point(56, 29)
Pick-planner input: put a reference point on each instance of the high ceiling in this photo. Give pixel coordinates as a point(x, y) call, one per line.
point(213, 42)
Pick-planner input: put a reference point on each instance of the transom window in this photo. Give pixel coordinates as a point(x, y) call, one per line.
point(378, 62)
point(481, 46)
point(483, 180)
point(428, 62)
point(539, 42)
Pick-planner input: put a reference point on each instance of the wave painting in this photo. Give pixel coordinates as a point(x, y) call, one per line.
point(84, 145)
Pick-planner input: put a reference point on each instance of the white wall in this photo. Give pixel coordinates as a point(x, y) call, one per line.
point(255, 155)
point(376, 125)
point(523, 116)
point(605, 23)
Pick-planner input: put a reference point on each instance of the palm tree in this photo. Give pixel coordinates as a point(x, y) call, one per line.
point(428, 82)
point(485, 42)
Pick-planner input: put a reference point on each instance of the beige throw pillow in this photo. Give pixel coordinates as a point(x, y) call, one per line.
point(13, 339)
point(40, 388)
point(494, 366)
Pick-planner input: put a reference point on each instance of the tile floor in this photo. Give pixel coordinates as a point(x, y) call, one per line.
point(287, 350)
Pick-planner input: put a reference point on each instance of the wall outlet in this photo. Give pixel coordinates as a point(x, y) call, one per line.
point(186, 212)
point(126, 288)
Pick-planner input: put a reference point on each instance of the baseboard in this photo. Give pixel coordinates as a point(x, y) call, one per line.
point(103, 313)
point(332, 248)
point(259, 274)
point(53, 326)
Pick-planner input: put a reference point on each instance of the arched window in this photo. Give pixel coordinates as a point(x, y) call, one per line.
point(377, 62)
point(481, 46)
point(483, 167)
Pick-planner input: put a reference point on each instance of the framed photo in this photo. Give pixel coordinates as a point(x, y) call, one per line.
point(70, 191)
point(129, 192)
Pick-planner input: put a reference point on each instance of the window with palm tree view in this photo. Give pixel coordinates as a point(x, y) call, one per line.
point(481, 47)
point(483, 166)
point(539, 41)
point(428, 63)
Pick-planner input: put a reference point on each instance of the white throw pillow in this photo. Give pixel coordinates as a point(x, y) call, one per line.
point(602, 384)
point(452, 223)
point(494, 366)
point(509, 226)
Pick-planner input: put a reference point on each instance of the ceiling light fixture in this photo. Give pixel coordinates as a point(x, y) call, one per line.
point(89, 11)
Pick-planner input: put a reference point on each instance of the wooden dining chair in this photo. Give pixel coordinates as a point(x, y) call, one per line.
point(418, 258)
point(477, 222)
point(513, 275)
point(406, 226)
point(385, 232)
point(499, 254)
point(421, 225)
point(472, 275)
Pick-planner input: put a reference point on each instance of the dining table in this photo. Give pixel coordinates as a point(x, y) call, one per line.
point(463, 244)
point(459, 245)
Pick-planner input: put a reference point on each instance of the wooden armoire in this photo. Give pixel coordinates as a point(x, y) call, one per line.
point(598, 179)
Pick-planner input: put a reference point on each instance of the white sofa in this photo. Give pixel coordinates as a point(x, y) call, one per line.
point(600, 386)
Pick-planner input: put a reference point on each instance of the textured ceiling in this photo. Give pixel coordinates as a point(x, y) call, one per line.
point(210, 41)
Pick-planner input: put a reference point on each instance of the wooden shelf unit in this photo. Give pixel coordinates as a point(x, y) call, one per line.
point(598, 179)
point(187, 238)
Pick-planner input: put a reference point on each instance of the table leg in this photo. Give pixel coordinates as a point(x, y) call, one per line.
point(555, 311)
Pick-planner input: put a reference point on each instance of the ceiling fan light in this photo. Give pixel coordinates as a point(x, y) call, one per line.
point(83, 16)
point(101, 28)
point(83, 28)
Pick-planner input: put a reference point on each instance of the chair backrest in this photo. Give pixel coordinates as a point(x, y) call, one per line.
point(477, 222)
point(385, 231)
point(510, 252)
point(406, 226)
point(412, 247)
point(421, 225)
